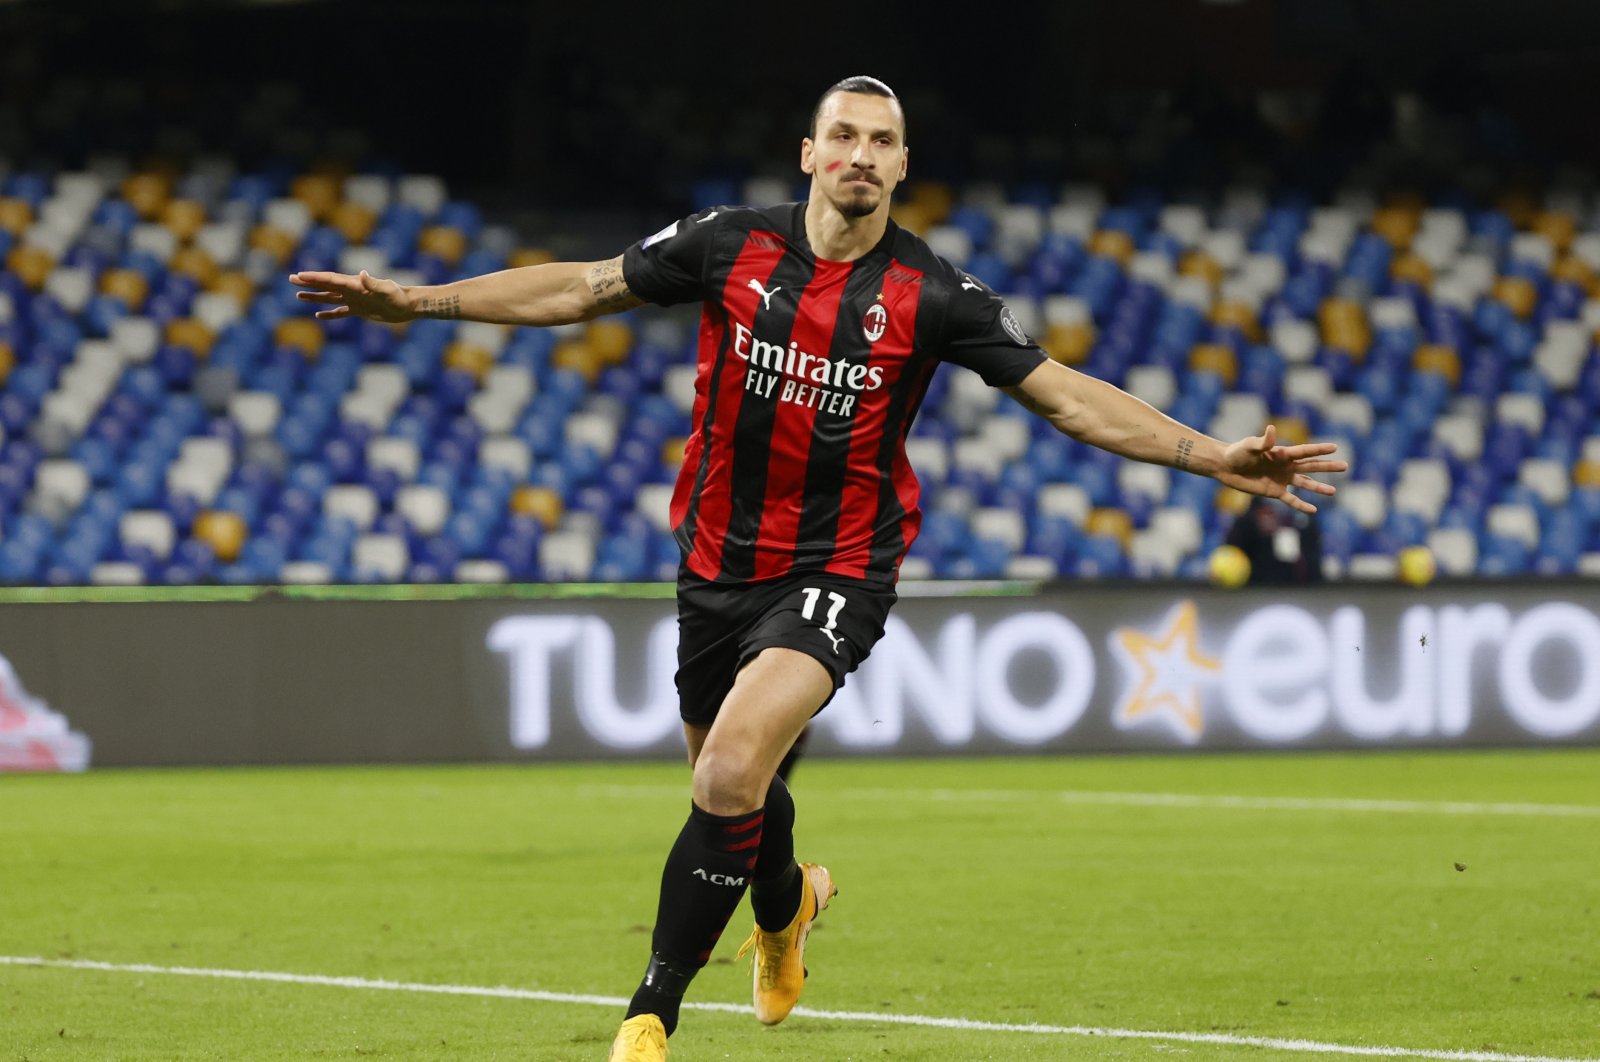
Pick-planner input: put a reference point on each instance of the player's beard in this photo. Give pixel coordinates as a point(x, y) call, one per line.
point(859, 202)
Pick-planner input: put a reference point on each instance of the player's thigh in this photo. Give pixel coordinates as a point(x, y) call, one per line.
point(776, 694)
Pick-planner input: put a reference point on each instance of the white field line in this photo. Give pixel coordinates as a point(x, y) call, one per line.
point(1161, 800)
point(922, 1021)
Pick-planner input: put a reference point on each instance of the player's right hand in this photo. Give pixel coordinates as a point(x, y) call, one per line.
point(362, 295)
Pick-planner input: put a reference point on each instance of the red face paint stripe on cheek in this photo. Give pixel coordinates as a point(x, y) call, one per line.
point(832, 166)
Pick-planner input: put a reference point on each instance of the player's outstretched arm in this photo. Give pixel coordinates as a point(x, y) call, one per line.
point(1105, 416)
point(552, 294)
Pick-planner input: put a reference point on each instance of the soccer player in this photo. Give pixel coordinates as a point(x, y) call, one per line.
point(822, 324)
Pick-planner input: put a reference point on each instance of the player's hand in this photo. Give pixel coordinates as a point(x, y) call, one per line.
point(1258, 465)
point(361, 295)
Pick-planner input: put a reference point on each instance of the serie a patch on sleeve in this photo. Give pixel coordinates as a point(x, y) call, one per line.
point(665, 234)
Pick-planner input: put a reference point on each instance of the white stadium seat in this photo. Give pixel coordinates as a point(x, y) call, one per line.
point(1065, 499)
point(507, 452)
point(1367, 502)
point(1514, 521)
point(1026, 567)
point(567, 556)
point(1550, 479)
point(1374, 567)
point(424, 506)
point(353, 502)
point(387, 555)
point(308, 573)
point(1455, 550)
point(1001, 525)
point(150, 528)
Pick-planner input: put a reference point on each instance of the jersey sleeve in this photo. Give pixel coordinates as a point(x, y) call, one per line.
point(982, 333)
point(669, 267)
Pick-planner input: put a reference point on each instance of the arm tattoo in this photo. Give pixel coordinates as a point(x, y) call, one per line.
point(1185, 449)
point(447, 308)
point(609, 288)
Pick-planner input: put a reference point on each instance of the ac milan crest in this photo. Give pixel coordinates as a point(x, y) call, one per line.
point(875, 323)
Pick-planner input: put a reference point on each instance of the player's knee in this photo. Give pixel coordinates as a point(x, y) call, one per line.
point(726, 785)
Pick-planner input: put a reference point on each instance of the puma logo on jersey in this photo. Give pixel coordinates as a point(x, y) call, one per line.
point(970, 285)
point(834, 638)
point(708, 217)
point(766, 296)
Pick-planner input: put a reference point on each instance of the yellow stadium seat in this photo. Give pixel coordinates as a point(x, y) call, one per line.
point(1233, 502)
point(1518, 205)
point(1574, 270)
point(192, 335)
point(1397, 225)
point(468, 358)
point(1202, 265)
point(223, 531)
point(1110, 243)
point(911, 217)
point(195, 263)
point(1114, 522)
point(1586, 473)
point(1439, 360)
point(935, 199)
point(1237, 315)
point(327, 166)
point(1412, 268)
point(148, 193)
point(531, 256)
point(1214, 357)
point(1344, 326)
point(1292, 431)
point(8, 360)
point(1557, 227)
point(443, 241)
point(318, 191)
point(236, 283)
point(541, 503)
point(15, 216)
point(1070, 344)
point(275, 242)
point(126, 284)
point(184, 217)
point(579, 357)
point(672, 452)
point(32, 265)
point(1409, 201)
point(354, 221)
point(611, 340)
point(300, 333)
point(1518, 293)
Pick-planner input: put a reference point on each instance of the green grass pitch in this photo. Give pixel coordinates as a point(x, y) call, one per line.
point(1415, 903)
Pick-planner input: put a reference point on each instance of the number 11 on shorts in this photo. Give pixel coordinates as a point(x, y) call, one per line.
point(836, 602)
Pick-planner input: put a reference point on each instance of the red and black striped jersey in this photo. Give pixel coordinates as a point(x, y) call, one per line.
point(810, 373)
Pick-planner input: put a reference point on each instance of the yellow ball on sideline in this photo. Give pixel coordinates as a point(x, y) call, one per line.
point(1416, 565)
point(1229, 567)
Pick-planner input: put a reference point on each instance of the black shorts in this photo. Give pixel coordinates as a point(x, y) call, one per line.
point(834, 619)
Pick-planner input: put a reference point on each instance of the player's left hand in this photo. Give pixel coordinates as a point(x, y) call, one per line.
point(1258, 465)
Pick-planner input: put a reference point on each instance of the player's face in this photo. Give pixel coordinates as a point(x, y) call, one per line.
point(859, 153)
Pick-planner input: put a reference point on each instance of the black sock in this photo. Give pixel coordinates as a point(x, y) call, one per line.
point(776, 891)
point(705, 877)
point(661, 991)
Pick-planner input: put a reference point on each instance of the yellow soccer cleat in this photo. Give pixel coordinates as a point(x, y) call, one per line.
point(642, 1038)
point(778, 968)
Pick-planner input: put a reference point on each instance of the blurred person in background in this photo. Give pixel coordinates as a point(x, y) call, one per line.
point(1283, 545)
point(823, 322)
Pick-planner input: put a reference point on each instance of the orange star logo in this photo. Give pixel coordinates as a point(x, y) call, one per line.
point(1166, 672)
